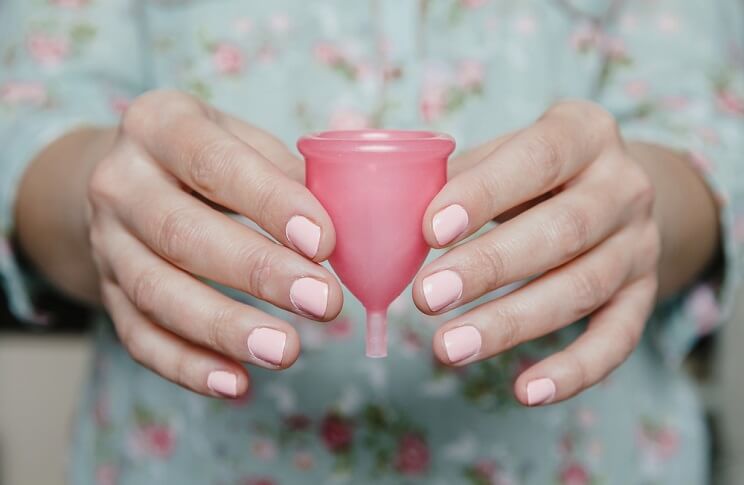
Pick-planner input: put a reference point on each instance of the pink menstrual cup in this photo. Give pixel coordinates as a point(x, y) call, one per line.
point(376, 185)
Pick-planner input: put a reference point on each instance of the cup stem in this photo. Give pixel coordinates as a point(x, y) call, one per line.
point(377, 334)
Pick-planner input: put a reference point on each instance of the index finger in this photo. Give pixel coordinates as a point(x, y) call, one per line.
point(223, 168)
point(529, 164)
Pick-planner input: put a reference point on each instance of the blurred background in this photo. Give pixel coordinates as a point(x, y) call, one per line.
point(41, 375)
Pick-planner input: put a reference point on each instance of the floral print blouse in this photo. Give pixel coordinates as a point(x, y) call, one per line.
point(670, 70)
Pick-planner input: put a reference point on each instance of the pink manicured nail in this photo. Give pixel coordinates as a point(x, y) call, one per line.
point(461, 343)
point(540, 391)
point(310, 296)
point(441, 289)
point(267, 344)
point(304, 235)
point(449, 223)
point(221, 382)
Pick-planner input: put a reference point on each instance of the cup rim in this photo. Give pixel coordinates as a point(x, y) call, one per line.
point(375, 141)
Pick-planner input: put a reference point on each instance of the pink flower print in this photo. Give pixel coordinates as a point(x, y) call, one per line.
point(584, 38)
point(327, 53)
point(433, 103)
point(339, 328)
point(485, 470)
point(266, 53)
point(23, 92)
point(614, 48)
point(709, 135)
point(412, 456)
point(574, 474)
point(587, 418)
point(470, 74)
point(473, 3)
point(279, 23)
point(107, 474)
point(637, 89)
point(730, 103)
point(336, 433)
point(411, 340)
point(303, 460)
point(660, 443)
point(701, 304)
point(227, 58)
point(667, 23)
point(348, 119)
point(243, 25)
point(526, 25)
point(701, 163)
point(675, 103)
point(629, 22)
point(154, 440)
point(364, 71)
point(264, 449)
point(70, 3)
point(119, 104)
point(47, 50)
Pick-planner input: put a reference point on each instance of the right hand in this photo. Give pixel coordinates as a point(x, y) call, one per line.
point(156, 226)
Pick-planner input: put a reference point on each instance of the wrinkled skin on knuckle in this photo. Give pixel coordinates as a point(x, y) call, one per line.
point(145, 289)
point(177, 232)
point(543, 158)
point(154, 110)
point(590, 290)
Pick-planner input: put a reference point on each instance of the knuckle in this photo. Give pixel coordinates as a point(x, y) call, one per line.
point(217, 329)
point(151, 108)
point(569, 231)
point(211, 163)
point(543, 158)
point(145, 288)
point(176, 232)
point(103, 185)
point(184, 369)
point(267, 192)
point(490, 259)
point(138, 349)
point(509, 327)
point(260, 263)
point(589, 291)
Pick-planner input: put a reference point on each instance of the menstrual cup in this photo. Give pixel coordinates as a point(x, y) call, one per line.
point(376, 185)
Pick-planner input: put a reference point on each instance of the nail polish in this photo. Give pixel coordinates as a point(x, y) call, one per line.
point(310, 296)
point(222, 382)
point(267, 344)
point(449, 223)
point(304, 234)
point(540, 391)
point(461, 343)
point(441, 289)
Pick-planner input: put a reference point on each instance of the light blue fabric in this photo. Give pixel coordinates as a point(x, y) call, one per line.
point(670, 70)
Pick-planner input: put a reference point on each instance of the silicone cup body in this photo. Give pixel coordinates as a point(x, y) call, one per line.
point(376, 185)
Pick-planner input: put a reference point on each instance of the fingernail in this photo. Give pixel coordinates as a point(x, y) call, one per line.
point(461, 343)
point(304, 235)
point(310, 296)
point(221, 382)
point(441, 289)
point(540, 391)
point(267, 344)
point(449, 223)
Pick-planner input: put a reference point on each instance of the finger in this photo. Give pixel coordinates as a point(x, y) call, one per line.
point(473, 156)
point(226, 170)
point(534, 161)
point(205, 242)
point(546, 304)
point(269, 146)
point(198, 313)
point(542, 238)
point(170, 356)
point(611, 336)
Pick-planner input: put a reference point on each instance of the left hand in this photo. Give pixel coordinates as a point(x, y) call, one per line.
point(576, 210)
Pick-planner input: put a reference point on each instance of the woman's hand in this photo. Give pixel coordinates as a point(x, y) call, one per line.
point(576, 209)
point(155, 229)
